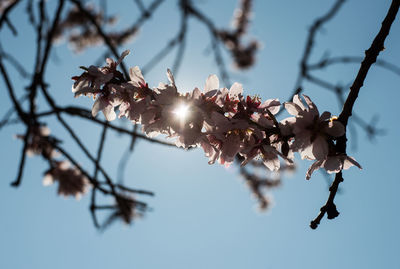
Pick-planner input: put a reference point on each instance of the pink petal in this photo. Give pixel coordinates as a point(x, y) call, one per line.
point(349, 162)
point(170, 77)
point(292, 108)
point(286, 125)
point(80, 84)
point(270, 158)
point(48, 179)
point(313, 108)
point(306, 153)
point(308, 101)
point(109, 61)
point(97, 106)
point(235, 90)
point(325, 116)
point(136, 76)
point(109, 112)
point(212, 83)
point(272, 164)
point(333, 164)
point(297, 101)
point(250, 156)
point(196, 93)
point(315, 166)
point(85, 91)
point(335, 128)
point(320, 148)
point(94, 71)
point(230, 148)
point(273, 105)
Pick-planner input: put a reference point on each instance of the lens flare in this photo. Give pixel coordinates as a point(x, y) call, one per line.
point(182, 111)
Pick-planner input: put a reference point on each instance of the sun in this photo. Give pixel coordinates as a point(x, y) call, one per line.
point(181, 111)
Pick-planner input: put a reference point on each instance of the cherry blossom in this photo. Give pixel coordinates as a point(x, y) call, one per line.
point(222, 121)
point(70, 179)
point(38, 143)
point(333, 164)
point(101, 82)
point(312, 129)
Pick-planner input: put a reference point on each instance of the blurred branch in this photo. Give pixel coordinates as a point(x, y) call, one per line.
point(105, 37)
point(353, 59)
point(315, 27)
point(4, 16)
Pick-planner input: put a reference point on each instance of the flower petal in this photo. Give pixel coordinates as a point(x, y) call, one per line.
point(235, 90)
point(312, 107)
point(335, 128)
point(333, 164)
point(305, 152)
point(196, 93)
point(109, 112)
point(230, 148)
point(94, 71)
point(286, 125)
point(272, 164)
point(81, 83)
point(212, 83)
point(136, 76)
point(297, 101)
point(85, 91)
point(170, 77)
point(48, 179)
point(349, 162)
point(292, 108)
point(273, 105)
point(325, 116)
point(97, 106)
point(320, 148)
point(315, 166)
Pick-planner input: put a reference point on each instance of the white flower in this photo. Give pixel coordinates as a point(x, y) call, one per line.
point(38, 142)
point(136, 77)
point(333, 164)
point(211, 147)
point(106, 104)
point(90, 82)
point(112, 65)
point(311, 130)
point(134, 109)
point(97, 82)
point(267, 153)
point(212, 84)
point(70, 179)
point(231, 134)
point(273, 105)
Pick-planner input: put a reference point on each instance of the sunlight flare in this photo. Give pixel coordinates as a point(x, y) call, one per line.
point(182, 111)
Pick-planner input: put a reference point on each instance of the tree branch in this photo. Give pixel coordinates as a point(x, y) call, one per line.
point(370, 58)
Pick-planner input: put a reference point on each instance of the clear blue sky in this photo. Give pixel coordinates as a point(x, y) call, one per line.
point(203, 215)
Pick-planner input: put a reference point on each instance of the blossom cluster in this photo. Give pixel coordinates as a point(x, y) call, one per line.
point(70, 179)
point(37, 142)
point(243, 54)
point(223, 122)
point(80, 32)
